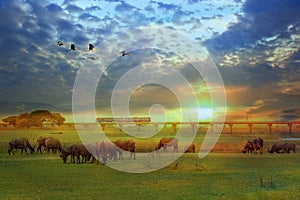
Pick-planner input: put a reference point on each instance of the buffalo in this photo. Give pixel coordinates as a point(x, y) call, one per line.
point(248, 147)
point(41, 142)
point(287, 147)
point(258, 145)
point(283, 148)
point(167, 142)
point(106, 150)
point(77, 150)
point(21, 143)
point(54, 144)
point(189, 148)
point(126, 145)
point(276, 148)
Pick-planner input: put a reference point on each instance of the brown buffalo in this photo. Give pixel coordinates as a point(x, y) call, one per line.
point(126, 145)
point(77, 150)
point(106, 150)
point(189, 148)
point(248, 147)
point(52, 144)
point(287, 147)
point(276, 148)
point(70, 151)
point(21, 143)
point(258, 145)
point(41, 142)
point(167, 142)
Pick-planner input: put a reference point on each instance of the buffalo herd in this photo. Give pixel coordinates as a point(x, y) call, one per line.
point(104, 150)
point(257, 145)
point(79, 153)
point(93, 152)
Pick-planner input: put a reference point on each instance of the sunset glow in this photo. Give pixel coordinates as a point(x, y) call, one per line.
point(254, 44)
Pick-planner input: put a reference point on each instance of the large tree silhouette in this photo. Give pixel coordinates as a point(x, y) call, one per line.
point(35, 118)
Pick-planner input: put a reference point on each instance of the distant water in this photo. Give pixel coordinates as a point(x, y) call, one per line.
point(290, 138)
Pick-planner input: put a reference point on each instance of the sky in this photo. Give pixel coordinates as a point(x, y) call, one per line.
point(254, 45)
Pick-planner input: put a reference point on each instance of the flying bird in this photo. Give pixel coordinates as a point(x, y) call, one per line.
point(59, 43)
point(91, 47)
point(124, 53)
point(73, 48)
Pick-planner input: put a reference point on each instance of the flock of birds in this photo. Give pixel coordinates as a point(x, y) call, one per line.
point(90, 48)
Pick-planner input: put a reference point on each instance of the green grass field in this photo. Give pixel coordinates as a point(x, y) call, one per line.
point(223, 174)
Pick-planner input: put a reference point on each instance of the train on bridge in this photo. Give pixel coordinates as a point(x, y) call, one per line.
point(123, 119)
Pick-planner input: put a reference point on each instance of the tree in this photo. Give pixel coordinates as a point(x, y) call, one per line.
point(59, 120)
point(11, 120)
point(35, 118)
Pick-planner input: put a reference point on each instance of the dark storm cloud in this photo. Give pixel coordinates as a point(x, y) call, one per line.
point(290, 114)
point(32, 67)
point(261, 19)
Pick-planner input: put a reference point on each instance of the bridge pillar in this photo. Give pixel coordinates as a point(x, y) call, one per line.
point(270, 127)
point(193, 126)
point(250, 127)
point(156, 126)
point(103, 127)
point(290, 127)
point(230, 126)
point(174, 127)
point(211, 128)
point(139, 127)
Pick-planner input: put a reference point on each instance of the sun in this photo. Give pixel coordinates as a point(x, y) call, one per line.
point(204, 113)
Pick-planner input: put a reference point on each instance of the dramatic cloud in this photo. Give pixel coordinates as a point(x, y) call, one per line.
point(254, 43)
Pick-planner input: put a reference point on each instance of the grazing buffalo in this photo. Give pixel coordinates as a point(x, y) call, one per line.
point(106, 150)
point(77, 150)
point(167, 142)
point(21, 143)
point(126, 145)
point(287, 147)
point(189, 148)
point(258, 145)
point(248, 147)
point(276, 148)
point(70, 151)
point(41, 142)
point(54, 144)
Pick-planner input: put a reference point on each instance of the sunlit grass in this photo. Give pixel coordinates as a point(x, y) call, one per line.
point(224, 175)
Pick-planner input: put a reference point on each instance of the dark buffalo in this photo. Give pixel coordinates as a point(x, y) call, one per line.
point(41, 142)
point(287, 147)
point(248, 147)
point(106, 150)
point(258, 145)
point(189, 148)
point(167, 142)
point(70, 151)
point(77, 150)
point(21, 143)
point(277, 148)
point(126, 145)
point(52, 144)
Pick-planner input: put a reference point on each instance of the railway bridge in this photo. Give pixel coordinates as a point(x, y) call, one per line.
point(230, 124)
